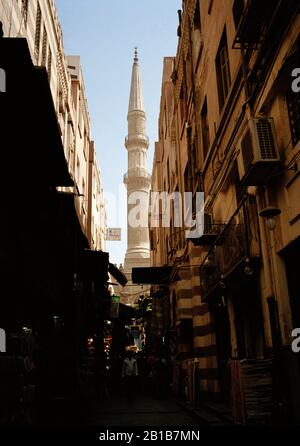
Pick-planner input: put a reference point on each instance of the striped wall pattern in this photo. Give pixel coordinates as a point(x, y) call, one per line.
point(183, 290)
point(204, 338)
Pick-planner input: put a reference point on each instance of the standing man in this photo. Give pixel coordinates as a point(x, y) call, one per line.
point(130, 373)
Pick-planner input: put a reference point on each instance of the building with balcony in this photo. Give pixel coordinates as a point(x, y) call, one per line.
point(229, 128)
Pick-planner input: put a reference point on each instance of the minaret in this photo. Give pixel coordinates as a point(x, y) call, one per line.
point(137, 181)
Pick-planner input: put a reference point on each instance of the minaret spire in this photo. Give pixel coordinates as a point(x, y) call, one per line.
point(136, 101)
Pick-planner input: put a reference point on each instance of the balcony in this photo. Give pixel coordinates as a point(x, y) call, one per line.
point(229, 252)
point(211, 232)
point(250, 24)
point(138, 138)
point(137, 172)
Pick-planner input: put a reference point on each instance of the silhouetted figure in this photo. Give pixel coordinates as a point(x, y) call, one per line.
point(1, 30)
point(130, 374)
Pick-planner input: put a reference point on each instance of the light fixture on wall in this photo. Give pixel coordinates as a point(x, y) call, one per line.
point(269, 213)
point(248, 270)
point(209, 262)
point(222, 283)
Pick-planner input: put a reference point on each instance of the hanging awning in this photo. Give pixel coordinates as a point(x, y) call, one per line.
point(117, 274)
point(94, 265)
point(153, 275)
point(29, 125)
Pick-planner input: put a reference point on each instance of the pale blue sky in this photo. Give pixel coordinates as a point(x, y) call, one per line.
point(104, 33)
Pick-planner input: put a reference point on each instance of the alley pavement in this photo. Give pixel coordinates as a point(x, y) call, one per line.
point(142, 411)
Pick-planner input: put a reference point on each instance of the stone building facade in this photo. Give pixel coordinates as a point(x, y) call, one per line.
point(37, 21)
point(53, 272)
point(229, 128)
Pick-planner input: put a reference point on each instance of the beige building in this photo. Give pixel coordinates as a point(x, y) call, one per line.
point(229, 127)
point(80, 132)
point(96, 211)
point(37, 21)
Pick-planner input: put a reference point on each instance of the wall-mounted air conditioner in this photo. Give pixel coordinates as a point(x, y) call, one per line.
point(258, 155)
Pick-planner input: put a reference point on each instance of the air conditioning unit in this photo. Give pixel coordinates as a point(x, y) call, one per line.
point(258, 155)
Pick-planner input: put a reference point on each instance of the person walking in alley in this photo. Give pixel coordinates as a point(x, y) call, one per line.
point(129, 374)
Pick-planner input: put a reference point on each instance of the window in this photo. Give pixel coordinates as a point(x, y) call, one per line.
point(78, 170)
point(237, 10)
point(188, 180)
point(49, 64)
point(151, 239)
point(205, 130)
point(165, 120)
point(44, 47)
point(196, 36)
point(239, 191)
point(182, 102)
point(94, 187)
point(188, 70)
point(193, 158)
point(293, 104)
point(37, 37)
point(197, 19)
point(24, 11)
point(222, 69)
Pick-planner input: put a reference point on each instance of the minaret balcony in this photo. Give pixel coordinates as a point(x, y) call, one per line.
point(137, 139)
point(136, 172)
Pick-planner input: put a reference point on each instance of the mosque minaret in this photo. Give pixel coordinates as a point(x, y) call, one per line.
point(138, 183)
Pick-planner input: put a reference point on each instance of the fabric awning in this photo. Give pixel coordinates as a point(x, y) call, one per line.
point(117, 274)
point(29, 125)
point(95, 265)
point(154, 275)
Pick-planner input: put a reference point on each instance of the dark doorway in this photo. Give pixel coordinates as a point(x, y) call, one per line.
point(292, 262)
point(223, 342)
point(289, 361)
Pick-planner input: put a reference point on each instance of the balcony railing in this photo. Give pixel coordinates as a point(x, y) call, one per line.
point(249, 29)
point(137, 172)
point(138, 137)
point(229, 250)
point(234, 243)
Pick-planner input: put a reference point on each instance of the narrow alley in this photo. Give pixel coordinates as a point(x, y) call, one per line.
point(144, 411)
point(150, 230)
